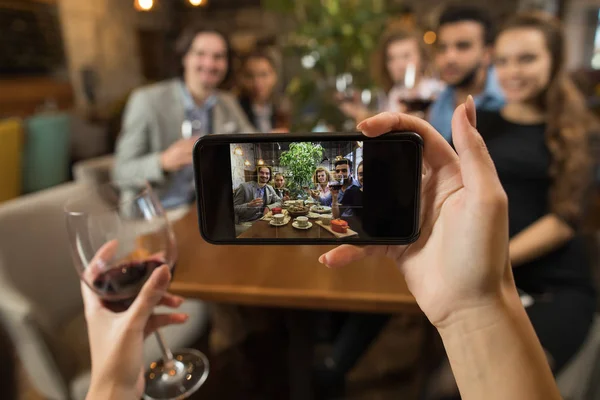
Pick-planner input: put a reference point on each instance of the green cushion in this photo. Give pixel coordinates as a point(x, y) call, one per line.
point(47, 151)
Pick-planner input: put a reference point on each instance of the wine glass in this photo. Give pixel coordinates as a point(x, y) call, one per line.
point(129, 217)
point(413, 98)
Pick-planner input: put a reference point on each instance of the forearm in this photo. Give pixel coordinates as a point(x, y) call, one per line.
point(540, 238)
point(495, 354)
point(107, 391)
point(335, 209)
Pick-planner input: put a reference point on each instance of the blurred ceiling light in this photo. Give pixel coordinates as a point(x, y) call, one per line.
point(247, 163)
point(196, 3)
point(143, 5)
point(429, 37)
point(261, 162)
point(359, 143)
point(238, 151)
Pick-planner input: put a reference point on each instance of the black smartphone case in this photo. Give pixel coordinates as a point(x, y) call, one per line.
point(290, 137)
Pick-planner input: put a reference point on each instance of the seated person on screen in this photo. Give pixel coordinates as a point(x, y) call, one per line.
point(279, 186)
point(343, 171)
point(321, 193)
point(253, 200)
point(353, 199)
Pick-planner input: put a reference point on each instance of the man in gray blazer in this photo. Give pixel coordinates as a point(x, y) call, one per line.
point(252, 200)
point(162, 121)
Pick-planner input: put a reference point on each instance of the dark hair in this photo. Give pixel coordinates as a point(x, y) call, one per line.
point(380, 72)
point(343, 161)
point(258, 168)
point(462, 13)
point(569, 124)
point(184, 42)
point(261, 55)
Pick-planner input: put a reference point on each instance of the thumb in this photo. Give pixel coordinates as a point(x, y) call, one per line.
point(152, 292)
point(477, 168)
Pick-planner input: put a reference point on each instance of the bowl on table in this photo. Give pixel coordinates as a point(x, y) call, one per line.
point(297, 211)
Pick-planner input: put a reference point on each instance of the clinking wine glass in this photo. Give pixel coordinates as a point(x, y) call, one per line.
point(133, 227)
point(410, 97)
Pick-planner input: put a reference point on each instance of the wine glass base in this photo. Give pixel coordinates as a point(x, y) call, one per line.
point(179, 380)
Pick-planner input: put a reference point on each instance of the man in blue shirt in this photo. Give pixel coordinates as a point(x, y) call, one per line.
point(463, 56)
point(343, 170)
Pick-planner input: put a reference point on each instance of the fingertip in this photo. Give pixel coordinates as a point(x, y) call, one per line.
point(163, 275)
point(182, 318)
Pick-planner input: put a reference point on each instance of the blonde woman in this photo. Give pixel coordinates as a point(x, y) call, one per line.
point(321, 193)
point(279, 186)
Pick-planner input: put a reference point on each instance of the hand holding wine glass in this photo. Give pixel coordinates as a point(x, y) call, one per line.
point(120, 247)
point(115, 337)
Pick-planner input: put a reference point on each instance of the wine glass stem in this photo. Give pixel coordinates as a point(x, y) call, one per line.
point(166, 352)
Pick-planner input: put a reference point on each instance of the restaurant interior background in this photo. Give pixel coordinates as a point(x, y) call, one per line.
point(68, 66)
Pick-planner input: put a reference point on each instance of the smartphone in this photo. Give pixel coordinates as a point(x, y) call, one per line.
point(232, 171)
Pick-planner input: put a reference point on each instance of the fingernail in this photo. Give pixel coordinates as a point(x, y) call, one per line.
point(180, 300)
point(163, 278)
point(362, 125)
point(323, 259)
point(471, 111)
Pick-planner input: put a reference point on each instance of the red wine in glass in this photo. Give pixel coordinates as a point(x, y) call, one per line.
point(417, 104)
point(124, 281)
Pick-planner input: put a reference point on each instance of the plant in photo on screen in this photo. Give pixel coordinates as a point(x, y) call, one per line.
point(300, 162)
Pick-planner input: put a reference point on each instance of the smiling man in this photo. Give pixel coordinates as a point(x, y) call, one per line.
point(463, 57)
point(162, 121)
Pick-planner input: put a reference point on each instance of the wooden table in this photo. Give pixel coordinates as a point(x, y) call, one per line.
point(262, 229)
point(286, 276)
point(283, 276)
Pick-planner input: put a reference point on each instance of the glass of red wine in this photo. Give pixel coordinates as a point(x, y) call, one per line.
point(118, 237)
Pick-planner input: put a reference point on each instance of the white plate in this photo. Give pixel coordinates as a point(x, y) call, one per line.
point(295, 225)
point(273, 223)
point(313, 215)
point(322, 209)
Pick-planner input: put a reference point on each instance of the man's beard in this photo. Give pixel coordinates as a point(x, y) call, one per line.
point(469, 78)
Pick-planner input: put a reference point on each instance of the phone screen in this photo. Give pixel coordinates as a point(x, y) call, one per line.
point(320, 189)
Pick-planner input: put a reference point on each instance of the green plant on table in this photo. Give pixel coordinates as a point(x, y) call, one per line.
point(300, 162)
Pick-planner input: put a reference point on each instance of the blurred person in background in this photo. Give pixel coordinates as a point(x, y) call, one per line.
point(463, 57)
point(162, 121)
point(400, 68)
point(258, 98)
point(539, 142)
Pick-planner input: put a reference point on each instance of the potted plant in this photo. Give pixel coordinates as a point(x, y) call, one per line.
point(300, 162)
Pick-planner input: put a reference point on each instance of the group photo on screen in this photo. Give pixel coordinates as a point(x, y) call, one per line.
point(297, 190)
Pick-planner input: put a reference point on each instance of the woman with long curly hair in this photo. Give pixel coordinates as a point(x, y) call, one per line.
point(539, 142)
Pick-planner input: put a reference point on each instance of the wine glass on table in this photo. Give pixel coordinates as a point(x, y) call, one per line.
point(135, 228)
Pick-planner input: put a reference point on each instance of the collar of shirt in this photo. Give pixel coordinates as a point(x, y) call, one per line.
point(190, 105)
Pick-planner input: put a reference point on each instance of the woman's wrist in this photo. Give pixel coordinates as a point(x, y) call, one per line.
point(108, 390)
